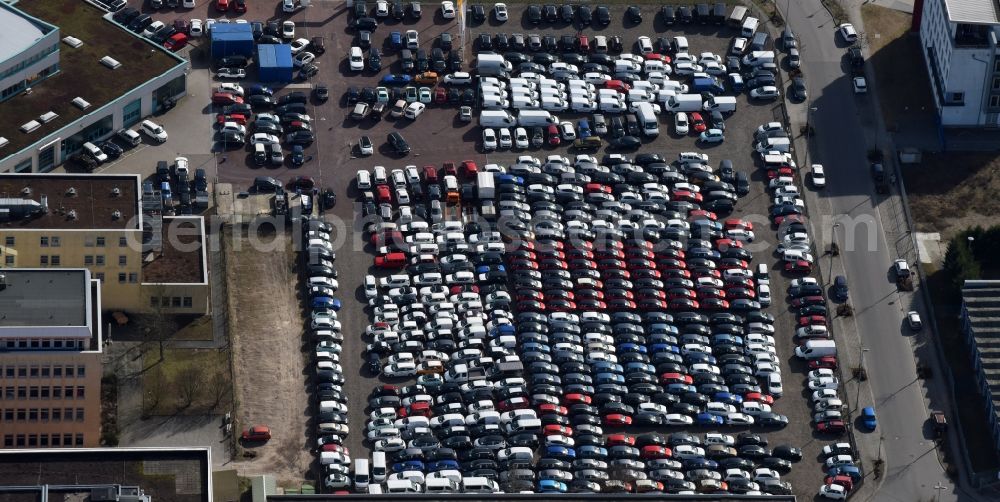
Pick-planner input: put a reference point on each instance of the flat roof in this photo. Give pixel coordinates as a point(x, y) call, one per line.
point(18, 34)
point(182, 258)
point(91, 204)
point(982, 305)
point(43, 297)
point(973, 11)
point(81, 73)
point(164, 474)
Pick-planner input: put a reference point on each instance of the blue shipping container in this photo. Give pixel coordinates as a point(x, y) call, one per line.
point(232, 39)
point(274, 63)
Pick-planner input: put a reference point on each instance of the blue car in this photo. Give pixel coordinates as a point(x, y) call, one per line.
point(680, 388)
point(409, 465)
point(665, 347)
point(868, 418)
point(325, 302)
point(485, 269)
point(561, 453)
point(503, 329)
point(583, 129)
point(700, 463)
point(259, 90)
point(396, 40)
point(631, 347)
point(846, 470)
point(591, 451)
point(726, 397)
point(551, 486)
point(396, 79)
point(509, 178)
point(708, 419)
point(698, 357)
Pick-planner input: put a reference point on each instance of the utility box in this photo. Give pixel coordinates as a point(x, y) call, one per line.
point(231, 39)
point(274, 63)
point(910, 156)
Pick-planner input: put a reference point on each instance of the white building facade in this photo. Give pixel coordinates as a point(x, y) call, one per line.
point(959, 39)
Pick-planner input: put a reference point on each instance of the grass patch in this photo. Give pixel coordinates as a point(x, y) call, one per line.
point(947, 188)
point(836, 10)
point(968, 401)
point(770, 10)
point(903, 85)
point(185, 381)
point(200, 329)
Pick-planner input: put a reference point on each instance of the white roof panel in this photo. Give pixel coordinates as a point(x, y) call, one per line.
point(973, 11)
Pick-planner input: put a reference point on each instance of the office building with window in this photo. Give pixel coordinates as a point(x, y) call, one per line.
point(69, 75)
point(959, 40)
point(144, 261)
point(50, 358)
point(981, 327)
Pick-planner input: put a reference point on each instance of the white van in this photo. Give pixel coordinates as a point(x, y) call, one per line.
point(361, 475)
point(814, 349)
point(535, 118)
point(724, 104)
point(379, 470)
point(684, 103)
point(401, 486)
point(758, 58)
point(131, 137)
point(781, 145)
point(95, 152)
point(496, 118)
point(478, 484)
point(749, 27)
point(442, 485)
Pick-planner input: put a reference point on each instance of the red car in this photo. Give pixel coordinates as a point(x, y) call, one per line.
point(621, 439)
point(617, 85)
point(699, 214)
point(239, 118)
point(582, 43)
point(812, 320)
point(758, 397)
point(557, 430)
point(669, 378)
point(828, 362)
point(596, 187)
point(383, 194)
point(256, 433)
point(514, 403)
point(552, 408)
point(553, 134)
point(449, 169)
point(798, 267)
point(780, 172)
point(654, 451)
point(420, 409)
point(225, 98)
point(831, 427)
point(430, 174)
point(698, 123)
point(222, 5)
point(469, 168)
point(336, 447)
point(440, 95)
point(808, 300)
point(732, 223)
point(617, 419)
point(571, 399)
point(841, 480)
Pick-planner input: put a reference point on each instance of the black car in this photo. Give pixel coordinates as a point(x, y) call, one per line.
point(585, 15)
point(415, 10)
point(233, 62)
point(484, 42)
point(603, 15)
point(232, 139)
point(551, 13)
point(478, 13)
point(298, 156)
point(685, 15)
point(787, 452)
point(626, 143)
point(374, 59)
point(445, 41)
point(398, 143)
point(668, 14)
point(111, 149)
point(321, 92)
point(534, 14)
point(300, 138)
point(633, 14)
point(140, 23)
point(799, 88)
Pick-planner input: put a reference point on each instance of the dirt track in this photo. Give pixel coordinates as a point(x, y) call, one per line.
point(269, 368)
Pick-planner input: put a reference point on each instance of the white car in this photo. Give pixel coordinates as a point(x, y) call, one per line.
point(506, 141)
point(739, 46)
point(264, 138)
point(195, 29)
point(448, 9)
point(860, 85)
point(389, 445)
point(412, 38)
point(234, 73)
point(304, 58)
point(521, 140)
point(400, 369)
point(288, 30)
point(824, 383)
point(833, 492)
point(818, 176)
point(848, 33)
point(288, 6)
point(712, 136)
point(357, 59)
point(382, 8)
point(681, 123)
point(764, 92)
point(154, 130)
point(500, 12)
point(458, 78)
point(299, 45)
point(366, 146)
point(645, 45)
point(489, 140)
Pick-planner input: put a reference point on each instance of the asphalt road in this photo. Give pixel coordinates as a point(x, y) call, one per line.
point(844, 126)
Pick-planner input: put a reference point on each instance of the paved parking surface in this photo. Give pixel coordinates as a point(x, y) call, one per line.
point(438, 137)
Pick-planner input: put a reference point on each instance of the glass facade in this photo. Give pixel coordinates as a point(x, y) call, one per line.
point(93, 132)
point(47, 158)
point(132, 113)
point(173, 88)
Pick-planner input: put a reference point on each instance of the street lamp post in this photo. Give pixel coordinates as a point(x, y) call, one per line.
point(971, 240)
point(809, 113)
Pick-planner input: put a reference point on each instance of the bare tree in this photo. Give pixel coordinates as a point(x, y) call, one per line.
point(152, 391)
point(162, 326)
point(220, 386)
point(189, 384)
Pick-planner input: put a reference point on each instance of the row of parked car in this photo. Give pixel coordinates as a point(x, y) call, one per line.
point(332, 425)
point(611, 330)
point(287, 121)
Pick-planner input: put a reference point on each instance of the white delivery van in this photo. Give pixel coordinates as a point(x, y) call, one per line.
point(478, 484)
point(379, 470)
point(401, 486)
point(496, 118)
point(361, 475)
point(724, 104)
point(780, 145)
point(442, 485)
point(535, 118)
point(758, 58)
point(814, 349)
point(647, 119)
point(684, 103)
point(749, 26)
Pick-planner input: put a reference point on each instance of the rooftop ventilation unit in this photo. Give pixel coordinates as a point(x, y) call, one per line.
point(110, 62)
point(3, 141)
point(71, 214)
point(81, 103)
point(71, 192)
point(116, 215)
point(26, 192)
point(30, 126)
point(116, 192)
point(48, 117)
point(72, 41)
